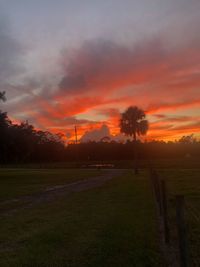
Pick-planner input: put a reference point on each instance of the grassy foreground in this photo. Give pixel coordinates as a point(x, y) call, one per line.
point(112, 225)
point(18, 182)
point(186, 182)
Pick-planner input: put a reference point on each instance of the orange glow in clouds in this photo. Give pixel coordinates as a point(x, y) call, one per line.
point(102, 79)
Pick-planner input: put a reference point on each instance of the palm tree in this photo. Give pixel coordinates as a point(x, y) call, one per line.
point(133, 124)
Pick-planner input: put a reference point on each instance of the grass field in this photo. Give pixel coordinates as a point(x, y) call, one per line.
point(111, 225)
point(188, 163)
point(18, 182)
point(186, 182)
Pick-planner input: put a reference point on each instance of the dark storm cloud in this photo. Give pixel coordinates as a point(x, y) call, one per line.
point(10, 53)
point(72, 82)
point(99, 68)
point(102, 67)
point(102, 64)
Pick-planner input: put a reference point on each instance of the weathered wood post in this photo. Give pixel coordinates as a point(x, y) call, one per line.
point(182, 231)
point(165, 211)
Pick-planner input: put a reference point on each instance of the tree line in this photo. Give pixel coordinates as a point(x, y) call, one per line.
point(100, 151)
point(22, 143)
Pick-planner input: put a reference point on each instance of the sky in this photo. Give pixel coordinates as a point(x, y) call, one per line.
point(83, 62)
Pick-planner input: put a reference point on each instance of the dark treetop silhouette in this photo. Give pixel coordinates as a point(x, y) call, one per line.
point(22, 143)
point(133, 124)
point(2, 96)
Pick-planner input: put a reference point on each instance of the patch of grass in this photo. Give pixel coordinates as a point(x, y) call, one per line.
point(113, 225)
point(168, 163)
point(187, 183)
point(18, 182)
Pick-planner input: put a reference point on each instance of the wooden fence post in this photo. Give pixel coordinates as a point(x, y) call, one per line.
point(182, 231)
point(165, 211)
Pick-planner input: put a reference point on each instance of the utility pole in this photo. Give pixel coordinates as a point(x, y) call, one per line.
point(76, 146)
point(75, 130)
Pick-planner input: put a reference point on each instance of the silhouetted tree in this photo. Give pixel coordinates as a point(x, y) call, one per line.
point(3, 116)
point(105, 139)
point(3, 96)
point(133, 124)
point(21, 143)
point(5, 125)
point(187, 139)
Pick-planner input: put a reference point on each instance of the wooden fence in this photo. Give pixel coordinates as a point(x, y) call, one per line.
point(181, 209)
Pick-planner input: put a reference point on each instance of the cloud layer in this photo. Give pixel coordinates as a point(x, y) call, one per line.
point(91, 83)
point(10, 54)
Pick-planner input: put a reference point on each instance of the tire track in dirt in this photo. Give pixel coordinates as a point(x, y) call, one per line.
point(52, 193)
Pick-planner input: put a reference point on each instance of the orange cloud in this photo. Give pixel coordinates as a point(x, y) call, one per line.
point(103, 78)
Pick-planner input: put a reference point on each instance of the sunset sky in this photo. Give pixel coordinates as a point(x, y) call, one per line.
point(83, 62)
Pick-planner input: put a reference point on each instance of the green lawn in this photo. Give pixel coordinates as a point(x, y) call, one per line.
point(112, 225)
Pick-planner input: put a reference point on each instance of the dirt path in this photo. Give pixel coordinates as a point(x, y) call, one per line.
point(52, 193)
